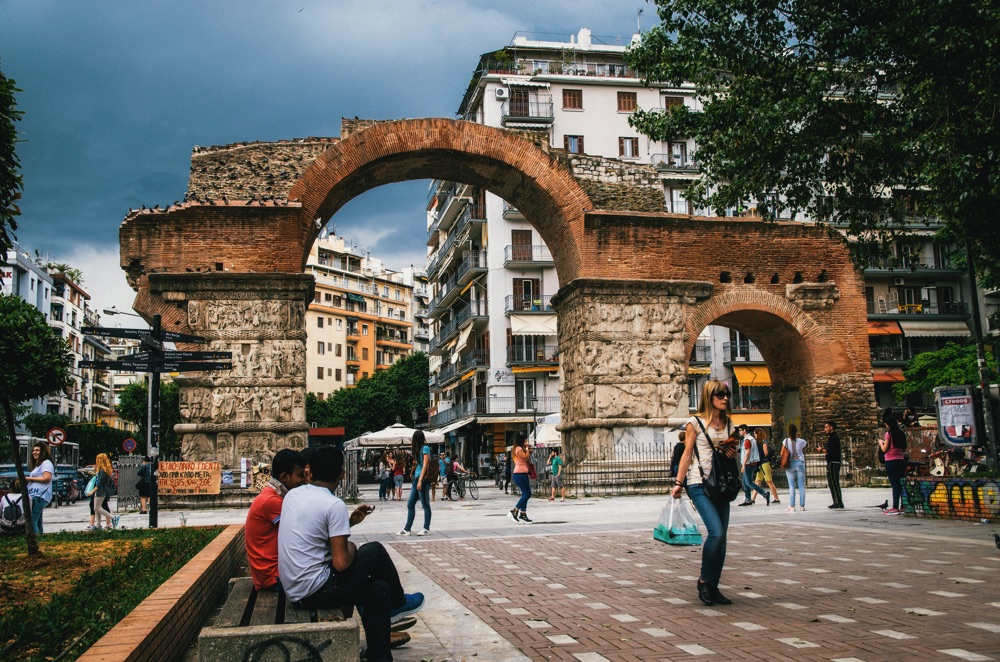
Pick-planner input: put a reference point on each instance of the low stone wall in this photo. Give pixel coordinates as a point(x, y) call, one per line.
point(165, 623)
point(952, 497)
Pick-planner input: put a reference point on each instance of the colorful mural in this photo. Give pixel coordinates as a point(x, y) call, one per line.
point(952, 497)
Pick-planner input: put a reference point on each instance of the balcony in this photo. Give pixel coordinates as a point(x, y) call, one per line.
point(399, 340)
point(445, 333)
point(519, 303)
point(702, 352)
point(527, 112)
point(884, 354)
point(912, 268)
point(511, 213)
point(674, 163)
point(546, 354)
point(741, 352)
point(527, 256)
point(447, 374)
point(955, 308)
point(352, 359)
point(533, 67)
point(422, 332)
point(476, 310)
point(477, 358)
point(496, 407)
point(353, 333)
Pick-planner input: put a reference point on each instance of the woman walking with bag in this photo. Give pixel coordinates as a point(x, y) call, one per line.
point(522, 478)
point(796, 470)
point(705, 434)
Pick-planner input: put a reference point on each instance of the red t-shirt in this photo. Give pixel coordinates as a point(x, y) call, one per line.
point(262, 537)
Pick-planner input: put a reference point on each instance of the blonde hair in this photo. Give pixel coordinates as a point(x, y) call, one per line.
point(705, 409)
point(102, 463)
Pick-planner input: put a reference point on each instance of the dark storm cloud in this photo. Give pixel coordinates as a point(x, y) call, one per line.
point(115, 94)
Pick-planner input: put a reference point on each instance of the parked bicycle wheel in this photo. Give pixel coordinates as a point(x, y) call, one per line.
point(473, 488)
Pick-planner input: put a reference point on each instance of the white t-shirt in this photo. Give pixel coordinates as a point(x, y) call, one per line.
point(795, 448)
point(705, 450)
point(42, 490)
point(310, 516)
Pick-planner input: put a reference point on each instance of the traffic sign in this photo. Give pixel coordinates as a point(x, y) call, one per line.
point(56, 436)
point(151, 343)
point(137, 356)
point(196, 356)
point(114, 333)
point(129, 445)
point(173, 336)
point(152, 365)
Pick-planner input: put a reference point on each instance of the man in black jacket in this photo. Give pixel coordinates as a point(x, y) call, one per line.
point(833, 464)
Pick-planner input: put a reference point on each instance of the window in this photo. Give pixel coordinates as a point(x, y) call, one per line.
point(527, 294)
point(628, 148)
point(328, 297)
point(339, 375)
point(321, 347)
point(572, 99)
point(671, 102)
point(521, 245)
point(319, 372)
point(524, 391)
point(321, 396)
point(339, 350)
point(319, 322)
point(678, 204)
point(364, 329)
point(364, 375)
point(678, 154)
point(626, 102)
point(573, 144)
point(329, 372)
point(340, 324)
point(364, 353)
point(318, 297)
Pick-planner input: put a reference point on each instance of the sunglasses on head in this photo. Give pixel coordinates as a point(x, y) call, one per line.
point(721, 394)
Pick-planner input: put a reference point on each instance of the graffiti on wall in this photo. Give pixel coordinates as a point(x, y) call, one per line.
point(953, 497)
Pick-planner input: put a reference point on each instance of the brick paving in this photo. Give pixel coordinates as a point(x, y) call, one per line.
point(808, 592)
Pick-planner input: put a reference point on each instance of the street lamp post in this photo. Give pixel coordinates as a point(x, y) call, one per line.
point(534, 419)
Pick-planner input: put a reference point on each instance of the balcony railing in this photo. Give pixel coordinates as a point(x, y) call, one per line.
point(474, 309)
point(899, 354)
point(893, 308)
point(513, 254)
point(527, 111)
point(495, 407)
point(475, 359)
point(533, 355)
point(519, 303)
point(907, 265)
point(533, 67)
point(671, 162)
point(702, 352)
point(740, 351)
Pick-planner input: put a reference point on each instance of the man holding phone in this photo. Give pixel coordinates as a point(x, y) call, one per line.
point(321, 568)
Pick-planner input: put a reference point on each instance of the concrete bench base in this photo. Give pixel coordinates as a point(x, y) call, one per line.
point(334, 641)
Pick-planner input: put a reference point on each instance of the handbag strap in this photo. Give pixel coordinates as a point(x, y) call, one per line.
point(708, 439)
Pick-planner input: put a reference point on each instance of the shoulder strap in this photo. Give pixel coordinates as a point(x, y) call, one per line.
point(695, 445)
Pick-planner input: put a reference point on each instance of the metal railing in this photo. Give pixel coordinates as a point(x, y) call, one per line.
point(923, 308)
point(520, 303)
point(740, 351)
point(890, 354)
point(496, 406)
point(525, 110)
point(533, 354)
point(674, 162)
point(520, 253)
point(702, 352)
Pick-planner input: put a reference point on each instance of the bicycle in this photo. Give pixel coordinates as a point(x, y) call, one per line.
point(467, 483)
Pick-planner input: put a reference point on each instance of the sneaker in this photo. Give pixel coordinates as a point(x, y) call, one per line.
point(404, 623)
point(776, 501)
point(790, 509)
point(745, 503)
point(892, 511)
point(414, 603)
point(524, 517)
point(513, 514)
point(422, 532)
point(404, 532)
point(802, 508)
point(92, 528)
point(397, 639)
point(115, 520)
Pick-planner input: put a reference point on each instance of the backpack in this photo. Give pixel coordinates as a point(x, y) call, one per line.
point(764, 451)
point(433, 470)
point(11, 515)
point(450, 470)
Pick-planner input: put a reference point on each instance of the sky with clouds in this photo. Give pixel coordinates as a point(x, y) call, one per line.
point(115, 95)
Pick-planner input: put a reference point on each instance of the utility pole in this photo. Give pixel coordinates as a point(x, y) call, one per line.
point(984, 378)
point(155, 346)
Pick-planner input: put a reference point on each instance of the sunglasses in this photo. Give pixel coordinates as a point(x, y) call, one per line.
point(721, 394)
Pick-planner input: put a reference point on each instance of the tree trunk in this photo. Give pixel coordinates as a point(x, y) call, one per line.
point(29, 529)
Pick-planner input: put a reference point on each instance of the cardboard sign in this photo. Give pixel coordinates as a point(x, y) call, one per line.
point(178, 478)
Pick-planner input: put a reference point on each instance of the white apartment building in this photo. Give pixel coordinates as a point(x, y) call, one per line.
point(361, 319)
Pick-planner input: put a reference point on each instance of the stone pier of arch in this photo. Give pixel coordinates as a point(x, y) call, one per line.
point(638, 285)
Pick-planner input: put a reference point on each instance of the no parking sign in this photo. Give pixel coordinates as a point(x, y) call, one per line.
point(129, 445)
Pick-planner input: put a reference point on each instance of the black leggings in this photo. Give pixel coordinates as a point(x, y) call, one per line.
point(894, 471)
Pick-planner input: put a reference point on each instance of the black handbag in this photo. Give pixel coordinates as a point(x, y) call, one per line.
point(724, 482)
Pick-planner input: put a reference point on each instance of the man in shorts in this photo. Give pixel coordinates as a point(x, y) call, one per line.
point(321, 568)
point(556, 462)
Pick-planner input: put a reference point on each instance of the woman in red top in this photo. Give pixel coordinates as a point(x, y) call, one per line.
point(522, 456)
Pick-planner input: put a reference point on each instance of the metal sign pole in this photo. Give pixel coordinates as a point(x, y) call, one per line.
point(154, 433)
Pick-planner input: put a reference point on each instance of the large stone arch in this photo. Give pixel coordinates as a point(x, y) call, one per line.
point(636, 285)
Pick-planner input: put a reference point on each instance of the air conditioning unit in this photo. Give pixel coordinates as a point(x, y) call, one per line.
point(899, 281)
point(503, 93)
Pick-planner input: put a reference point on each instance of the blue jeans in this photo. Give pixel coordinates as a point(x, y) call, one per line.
point(796, 474)
point(749, 473)
point(37, 508)
point(524, 484)
point(715, 515)
point(425, 501)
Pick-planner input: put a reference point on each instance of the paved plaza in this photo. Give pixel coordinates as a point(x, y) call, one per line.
point(587, 582)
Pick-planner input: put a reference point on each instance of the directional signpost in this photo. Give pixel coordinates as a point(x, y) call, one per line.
point(155, 360)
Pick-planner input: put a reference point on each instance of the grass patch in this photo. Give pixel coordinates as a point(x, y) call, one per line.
point(83, 584)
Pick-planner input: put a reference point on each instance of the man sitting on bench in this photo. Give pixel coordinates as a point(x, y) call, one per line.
point(321, 569)
point(265, 513)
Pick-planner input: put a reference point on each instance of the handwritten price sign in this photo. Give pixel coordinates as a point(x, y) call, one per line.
point(178, 478)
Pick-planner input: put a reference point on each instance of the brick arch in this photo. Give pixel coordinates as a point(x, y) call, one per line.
point(502, 162)
point(794, 346)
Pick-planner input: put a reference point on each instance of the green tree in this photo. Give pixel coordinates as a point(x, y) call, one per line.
point(39, 424)
point(35, 362)
point(133, 406)
point(376, 402)
point(952, 365)
point(11, 182)
point(873, 115)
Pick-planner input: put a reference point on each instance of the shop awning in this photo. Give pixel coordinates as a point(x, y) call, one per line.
point(451, 427)
point(752, 376)
point(762, 419)
point(351, 296)
point(699, 370)
point(534, 368)
point(533, 325)
point(884, 328)
point(887, 375)
point(463, 338)
point(934, 329)
point(467, 375)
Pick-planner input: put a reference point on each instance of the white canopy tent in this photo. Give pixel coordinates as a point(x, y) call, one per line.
point(396, 435)
point(545, 434)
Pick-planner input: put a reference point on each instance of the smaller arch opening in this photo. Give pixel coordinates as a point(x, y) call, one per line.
point(725, 277)
point(749, 278)
point(822, 277)
point(798, 277)
point(775, 279)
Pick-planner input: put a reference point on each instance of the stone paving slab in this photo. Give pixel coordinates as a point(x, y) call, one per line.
point(809, 592)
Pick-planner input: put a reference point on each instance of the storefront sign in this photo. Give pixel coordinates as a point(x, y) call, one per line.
point(178, 478)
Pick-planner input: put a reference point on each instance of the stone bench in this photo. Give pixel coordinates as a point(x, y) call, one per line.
point(265, 625)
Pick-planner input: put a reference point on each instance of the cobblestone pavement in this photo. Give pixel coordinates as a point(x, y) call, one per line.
point(810, 592)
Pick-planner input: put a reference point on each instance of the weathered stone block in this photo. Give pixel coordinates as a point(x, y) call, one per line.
point(336, 641)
